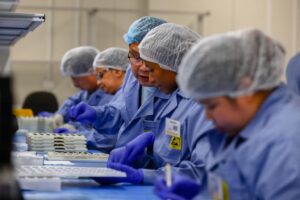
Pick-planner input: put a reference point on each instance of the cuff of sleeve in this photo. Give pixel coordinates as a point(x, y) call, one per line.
point(150, 176)
point(99, 113)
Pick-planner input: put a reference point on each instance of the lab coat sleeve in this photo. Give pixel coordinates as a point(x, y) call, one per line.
point(273, 168)
point(95, 140)
point(109, 116)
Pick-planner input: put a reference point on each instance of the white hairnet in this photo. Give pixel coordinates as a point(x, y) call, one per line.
point(231, 64)
point(78, 61)
point(166, 44)
point(114, 58)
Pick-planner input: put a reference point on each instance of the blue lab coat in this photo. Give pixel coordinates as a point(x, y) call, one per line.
point(293, 74)
point(263, 161)
point(190, 159)
point(97, 98)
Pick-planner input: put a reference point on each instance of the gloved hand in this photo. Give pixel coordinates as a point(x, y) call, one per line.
point(45, 114)
point(83, 113)
point(182, 188)
point(66, 128)
point(58, 120)
point(134, 176)
point(61, 130)
point(132, 151)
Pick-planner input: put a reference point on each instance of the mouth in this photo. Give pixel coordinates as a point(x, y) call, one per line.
point(144, 78)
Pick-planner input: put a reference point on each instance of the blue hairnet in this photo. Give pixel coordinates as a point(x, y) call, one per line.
point(78, 61)
point(139, 28)
point(293, 74)
point(231, 64)
point(114, 58)
point(167, 44)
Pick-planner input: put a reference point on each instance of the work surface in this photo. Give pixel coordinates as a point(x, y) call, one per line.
point(87, 189)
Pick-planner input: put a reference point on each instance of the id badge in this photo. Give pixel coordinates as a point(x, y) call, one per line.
point(172, 127)
point(218, 188)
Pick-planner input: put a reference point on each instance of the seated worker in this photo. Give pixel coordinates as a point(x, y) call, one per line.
point(77, 64)
point(293, 74)
point(136, 88)
point(173, 131)
point(110, 67)
point(255, 146)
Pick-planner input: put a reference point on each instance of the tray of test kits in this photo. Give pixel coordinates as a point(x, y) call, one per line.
point(77, 156)
point(56, 142)
point(66, 172)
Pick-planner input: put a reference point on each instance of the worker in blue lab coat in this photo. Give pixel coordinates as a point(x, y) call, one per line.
point(110, 67)
point(77, 63)
point(255, 146)
point(172, 129)
point(136, 87)
point(293, 73)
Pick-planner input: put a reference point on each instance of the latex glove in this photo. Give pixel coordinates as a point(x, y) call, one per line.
point(134, 176)
point(62, 130)
point(83, 113)
point(66, 128)
point(182, 188)
point(58, 120)
point(70, 127)
point(132, 151)
point(45, 114)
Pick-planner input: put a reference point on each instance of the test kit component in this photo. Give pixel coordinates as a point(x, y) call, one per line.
point(45, 142)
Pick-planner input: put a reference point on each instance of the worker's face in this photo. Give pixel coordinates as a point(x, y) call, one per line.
point(228, 115)
point(87, 83)
point(139, 70)
point(165, 80)
point(109, 80)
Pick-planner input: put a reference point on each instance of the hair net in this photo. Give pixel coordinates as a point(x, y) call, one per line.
point(139, 28)
point(231, 64)
point(78, 61)
point(166, 45)
point(115, 58)
point(293, 74)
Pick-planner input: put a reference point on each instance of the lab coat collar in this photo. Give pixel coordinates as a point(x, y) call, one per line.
point(217, 139)
point(273, 101)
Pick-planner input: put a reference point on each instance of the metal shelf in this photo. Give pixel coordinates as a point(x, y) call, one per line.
point(14, 26)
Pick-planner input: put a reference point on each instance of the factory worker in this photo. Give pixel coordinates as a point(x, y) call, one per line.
point(136, 88)
point(255, 146)
point(110, 67)
point(77, 64)
point(172, 132)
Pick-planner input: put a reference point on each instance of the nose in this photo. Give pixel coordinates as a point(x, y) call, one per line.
point(75, 83)
point(143, 68)
point(208, 114)
point(100, 84)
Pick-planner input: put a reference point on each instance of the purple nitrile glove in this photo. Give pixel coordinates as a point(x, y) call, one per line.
point(62, 130)
point(45, 114)
point(182, 188)
point(132, 151)
point(134, 176)
point(83, 113)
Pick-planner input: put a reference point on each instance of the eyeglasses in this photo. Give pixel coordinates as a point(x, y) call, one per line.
point(101, 74)
point(135, 61)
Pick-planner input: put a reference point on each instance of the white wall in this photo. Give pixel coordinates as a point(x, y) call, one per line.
point(35, 59)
